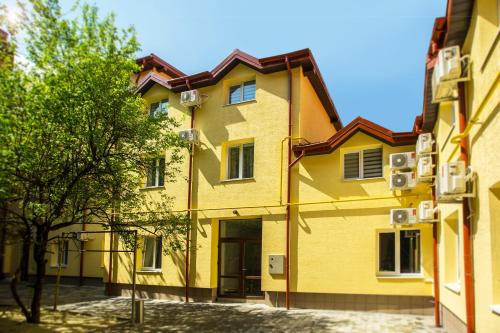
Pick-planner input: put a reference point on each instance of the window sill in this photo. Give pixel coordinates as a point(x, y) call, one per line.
point(152, 188)
point(57, 266)
point(149, 271)
point(237, 180)
point(454, 287)
point(362, 179)
point(495, 308)
point(401, 276)
point(239, 103)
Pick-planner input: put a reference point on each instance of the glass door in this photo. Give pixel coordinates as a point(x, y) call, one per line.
point(252, 267)
point(240, 252)
point(230, 268)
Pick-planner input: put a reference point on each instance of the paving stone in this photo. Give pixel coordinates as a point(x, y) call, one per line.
point(172, 316)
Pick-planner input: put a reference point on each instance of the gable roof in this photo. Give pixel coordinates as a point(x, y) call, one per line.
point(267, 65)
point(153, 61)
point(150, 80)
point(358, 125)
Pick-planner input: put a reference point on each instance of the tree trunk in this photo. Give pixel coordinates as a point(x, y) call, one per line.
point(15, 295)
point(25, 256)
point(39, 251)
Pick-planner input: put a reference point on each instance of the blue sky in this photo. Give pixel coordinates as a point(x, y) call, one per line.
point(370, 53)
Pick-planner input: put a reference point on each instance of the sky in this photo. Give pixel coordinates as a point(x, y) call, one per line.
point(371, 54)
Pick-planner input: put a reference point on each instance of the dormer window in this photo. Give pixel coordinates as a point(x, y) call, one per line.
point(242, 92)
point(158, 108)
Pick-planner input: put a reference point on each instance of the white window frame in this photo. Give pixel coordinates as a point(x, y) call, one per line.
point(360, 152)
point(240, 169)
point(242, 87)
point(157, 175)
point(164, 100)
point(155, 244)
point(397, 254)
point(63, 253)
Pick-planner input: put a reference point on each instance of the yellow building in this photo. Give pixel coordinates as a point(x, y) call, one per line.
point(463, 118)
point(292, 208)
point(246, 205)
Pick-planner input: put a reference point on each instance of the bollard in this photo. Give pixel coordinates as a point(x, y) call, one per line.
point(139, 311)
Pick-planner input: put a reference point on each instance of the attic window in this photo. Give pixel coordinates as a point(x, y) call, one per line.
point(242, 92)
point(363, 164)
point(156, 109)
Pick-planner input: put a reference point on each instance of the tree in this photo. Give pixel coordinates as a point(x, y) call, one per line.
point(78, 137)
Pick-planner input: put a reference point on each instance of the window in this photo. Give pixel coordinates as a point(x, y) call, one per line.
point(398, 252)
point(363, 164)
point(242, 92)
point(156, 109)
point(151, 253)
point(62, 253)
point(240, 161)
point(155, 175)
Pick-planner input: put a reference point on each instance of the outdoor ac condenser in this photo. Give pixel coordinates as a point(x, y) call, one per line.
point(402, 216)
point(403, 181)
point(402, 161)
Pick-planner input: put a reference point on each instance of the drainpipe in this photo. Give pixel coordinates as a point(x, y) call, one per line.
point(437, 298)
point(287, 261)
point(467, 225)
point(190, 182)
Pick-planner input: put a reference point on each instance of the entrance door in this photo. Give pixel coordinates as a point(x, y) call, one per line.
point(240, 255)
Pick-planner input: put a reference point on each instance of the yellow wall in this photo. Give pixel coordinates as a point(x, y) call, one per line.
point(92, 261)
point(315, 124)
point(336, 247)
point(482, 101)
point(483, 95)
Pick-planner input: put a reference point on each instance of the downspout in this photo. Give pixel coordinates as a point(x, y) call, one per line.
point(287, 222)
point(190, 182)
point(437, 298)
point(467, 225)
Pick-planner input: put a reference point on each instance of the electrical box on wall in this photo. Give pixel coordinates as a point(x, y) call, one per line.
point(276, 264)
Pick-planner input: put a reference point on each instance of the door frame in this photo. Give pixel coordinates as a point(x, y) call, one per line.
point(242, 277)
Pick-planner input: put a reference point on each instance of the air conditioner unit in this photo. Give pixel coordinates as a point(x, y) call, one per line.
point(442, 90)
point(401, 161)
point(449, 63)
point(82, 236)
point(190, 98)
point(426, 211)
point(452, 178)
point(424, 144)
point(191, 135)
point(447, 68)
point(424, 167)
point(402, 216)
point(403, 181)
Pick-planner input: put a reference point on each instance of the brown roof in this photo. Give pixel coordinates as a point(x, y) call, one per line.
point(447, 31)
point(358, 125)
point(267, 65)
point(153, 61)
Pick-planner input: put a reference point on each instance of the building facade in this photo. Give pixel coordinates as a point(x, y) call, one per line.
point(294, 209)
point(465, 128)
point(251, 196)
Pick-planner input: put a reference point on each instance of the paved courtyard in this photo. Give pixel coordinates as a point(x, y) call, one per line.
point(168, 316)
